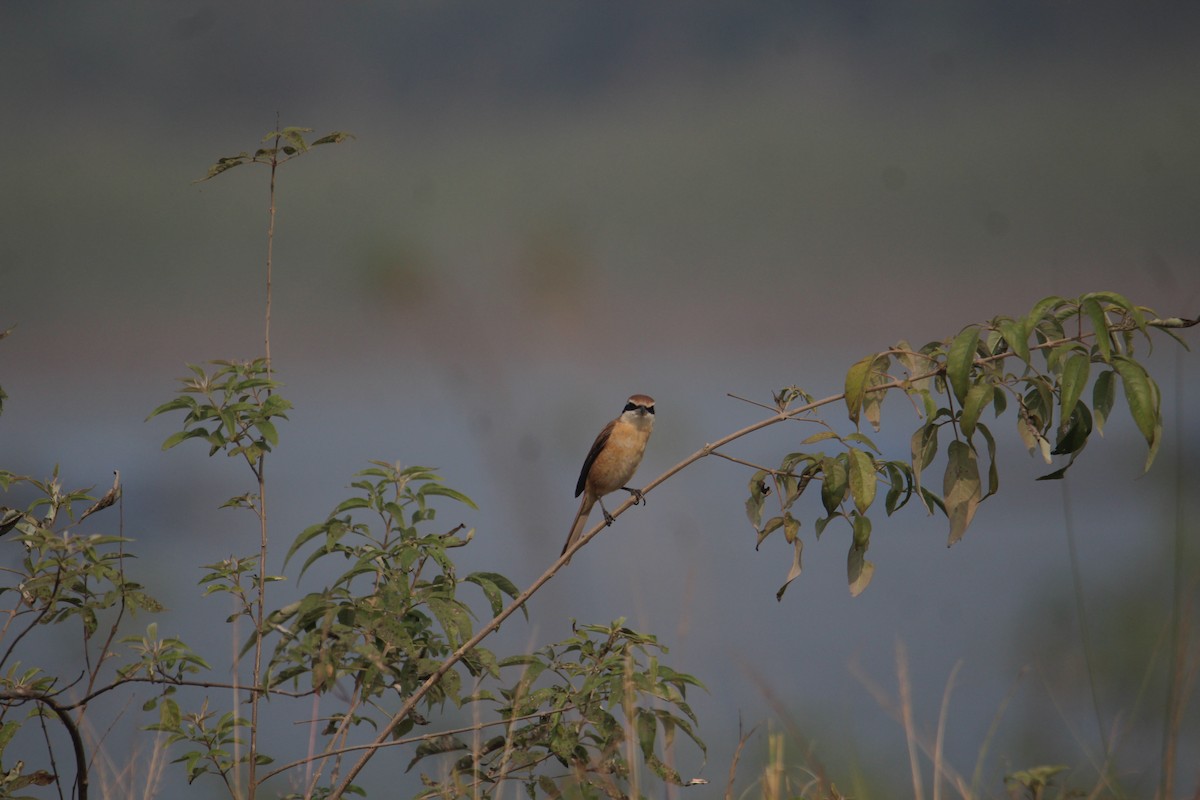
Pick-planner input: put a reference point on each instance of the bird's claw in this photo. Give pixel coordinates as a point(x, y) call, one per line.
point(608, 518)
point(638, 497)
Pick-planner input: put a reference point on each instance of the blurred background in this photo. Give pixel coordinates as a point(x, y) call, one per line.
point(550, 206)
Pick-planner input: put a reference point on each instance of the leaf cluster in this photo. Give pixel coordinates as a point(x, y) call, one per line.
point(589, 704)
point(391, 612)
point(63, 577)
point(1040, 364)
point(286, 144)
point(232, 408)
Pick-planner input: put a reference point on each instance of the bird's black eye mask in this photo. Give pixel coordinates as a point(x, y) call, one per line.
point(633, 407)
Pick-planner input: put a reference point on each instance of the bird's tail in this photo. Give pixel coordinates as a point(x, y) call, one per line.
point(585, 508)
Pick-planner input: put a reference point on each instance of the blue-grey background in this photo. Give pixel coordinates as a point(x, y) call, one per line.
point(550, 206)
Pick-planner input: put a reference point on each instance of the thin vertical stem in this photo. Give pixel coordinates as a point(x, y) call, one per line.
point(259, 472)
point(259, 613)
point(270, 253)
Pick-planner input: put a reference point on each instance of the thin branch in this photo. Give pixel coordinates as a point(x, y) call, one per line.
point(64, 716)
point(737, 755)
point(749, 464)
point(763, 406)
point(36, 620)
point(195, 684)
point(708, 449)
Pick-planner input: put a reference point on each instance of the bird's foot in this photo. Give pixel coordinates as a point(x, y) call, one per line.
point(608, 518)
point(637, 495)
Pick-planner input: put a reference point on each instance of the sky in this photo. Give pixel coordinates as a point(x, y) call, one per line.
point(549, 207)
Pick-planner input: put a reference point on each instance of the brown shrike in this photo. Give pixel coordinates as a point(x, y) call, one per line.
point(613, 459)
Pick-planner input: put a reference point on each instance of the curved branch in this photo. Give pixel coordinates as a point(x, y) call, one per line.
point(64, 716)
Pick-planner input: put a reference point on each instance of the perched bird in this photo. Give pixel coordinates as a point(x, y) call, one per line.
point(613, 459)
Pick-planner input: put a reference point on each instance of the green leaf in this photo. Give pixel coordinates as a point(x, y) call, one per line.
point(1074, 379)
point(305, 536)
point(861, 469)
point(859, 571)
point(960, 359)
point(179, 436)
point(647, 729)
point(1017, 336)
point(993, 472)
point(269, 434)
point(872, 405)
point(863, 440)
point(173, 405)
point(834, 484)
point(352, 503)
point(978, 398)
point(446, 491)
point(1104, 394)
point(900, 486)
point(1090, 307)
point(1077, 430)
point(1139, 394)
point(960, 488)
point(754, 503)
point(435, 746)
point(856, 384)
point(1039, 311)
point(335, 137)
point(924, 448)
point(1119, 300)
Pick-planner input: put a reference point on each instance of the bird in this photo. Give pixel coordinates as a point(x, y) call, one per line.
point(613, 459)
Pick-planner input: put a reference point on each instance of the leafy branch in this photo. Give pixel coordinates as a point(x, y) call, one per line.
point(952, 370)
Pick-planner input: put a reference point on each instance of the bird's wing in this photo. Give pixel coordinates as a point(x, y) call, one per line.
point(597, 446)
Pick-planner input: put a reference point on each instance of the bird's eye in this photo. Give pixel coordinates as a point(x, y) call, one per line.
point(650, 409)
point(630, 406)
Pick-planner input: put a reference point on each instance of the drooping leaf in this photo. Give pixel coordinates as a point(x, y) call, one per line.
point(924, 447)
point(1074, 379)
point(959, 360)
point(856, 385)
point(978, 398)
point(754, 503)
point(859, 571)
point(834, 484)
point(1017, 337)
point(872, 405)
point(794, 572)
point(1104, 393)
point(861, 469)
point(1139, 394)
point(960, 488)
point(1090, 307)
point(993, 472)
point(1073, 438)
